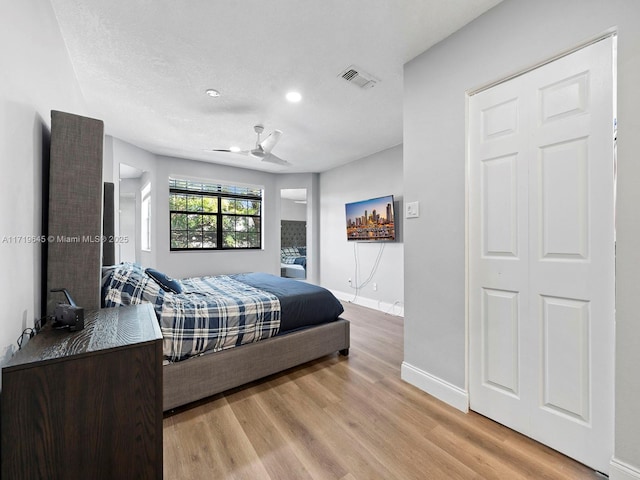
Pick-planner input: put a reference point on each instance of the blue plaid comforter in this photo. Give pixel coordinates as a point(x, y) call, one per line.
point(211, 313)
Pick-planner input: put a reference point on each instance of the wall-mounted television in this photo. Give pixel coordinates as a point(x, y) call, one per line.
point(371, 220)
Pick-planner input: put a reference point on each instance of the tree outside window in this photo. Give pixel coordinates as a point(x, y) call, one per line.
point(208, 216)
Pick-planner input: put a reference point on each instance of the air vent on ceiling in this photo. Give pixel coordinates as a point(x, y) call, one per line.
point(357, 77)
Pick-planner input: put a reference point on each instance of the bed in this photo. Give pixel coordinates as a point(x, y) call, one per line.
point(76, 208)
point(220, 332)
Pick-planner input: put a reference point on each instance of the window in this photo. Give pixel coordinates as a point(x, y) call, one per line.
point(206, 216)
point(145, 218)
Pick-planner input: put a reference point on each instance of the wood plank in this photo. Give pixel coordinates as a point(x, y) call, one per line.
point(350, 418)
point(274, 449)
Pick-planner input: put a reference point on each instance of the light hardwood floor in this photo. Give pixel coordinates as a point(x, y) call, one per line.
point(349, 418)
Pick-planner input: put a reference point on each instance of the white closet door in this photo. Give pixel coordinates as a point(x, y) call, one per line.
point(541, 253)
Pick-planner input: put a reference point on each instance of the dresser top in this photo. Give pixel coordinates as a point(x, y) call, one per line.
point(104, 329)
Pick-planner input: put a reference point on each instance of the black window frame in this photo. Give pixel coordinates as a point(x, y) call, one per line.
point(220, 192)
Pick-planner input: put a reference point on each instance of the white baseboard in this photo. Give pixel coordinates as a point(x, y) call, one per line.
point(442, 390)
point(619, 470)
point(386, 307)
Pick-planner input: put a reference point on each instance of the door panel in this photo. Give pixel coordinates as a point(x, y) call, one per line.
point(499, 206)
point(500, 120)
point(564, 98)
point(564, 194)
point(500, 354)
point(541, 253)
point(498, 242)
point(565, 347)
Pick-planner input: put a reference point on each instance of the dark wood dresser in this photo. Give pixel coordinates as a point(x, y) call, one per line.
point(87, 404)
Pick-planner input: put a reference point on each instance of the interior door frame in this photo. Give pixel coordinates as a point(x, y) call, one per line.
point(612, 32)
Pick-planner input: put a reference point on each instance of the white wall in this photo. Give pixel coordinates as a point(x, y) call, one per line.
point(36, 78)
point(514, 35)
point(373, 176)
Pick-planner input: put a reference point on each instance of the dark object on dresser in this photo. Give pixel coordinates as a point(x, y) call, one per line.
point(68, 314)
point(86, 404)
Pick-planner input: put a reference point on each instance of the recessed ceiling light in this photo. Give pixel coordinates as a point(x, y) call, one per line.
point(294, 97)
point(212, 92)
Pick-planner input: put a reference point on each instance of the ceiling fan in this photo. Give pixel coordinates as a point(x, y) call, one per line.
point(263, 148)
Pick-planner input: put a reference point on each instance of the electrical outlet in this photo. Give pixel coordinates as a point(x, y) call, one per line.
point(375, 286)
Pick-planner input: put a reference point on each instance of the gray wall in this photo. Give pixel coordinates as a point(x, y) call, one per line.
point(373, 176)
point(514, 35)
point(36, 78)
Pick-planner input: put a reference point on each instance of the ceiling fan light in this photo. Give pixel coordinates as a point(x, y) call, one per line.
point(294, 97)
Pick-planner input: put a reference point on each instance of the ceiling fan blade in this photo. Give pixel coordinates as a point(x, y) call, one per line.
point(268, 143)
point(271, 158)
point(223, 150)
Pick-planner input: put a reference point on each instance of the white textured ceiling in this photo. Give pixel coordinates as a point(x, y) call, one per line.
point(143, 67)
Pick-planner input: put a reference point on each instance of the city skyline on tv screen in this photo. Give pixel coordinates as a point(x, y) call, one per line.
point(370, 220)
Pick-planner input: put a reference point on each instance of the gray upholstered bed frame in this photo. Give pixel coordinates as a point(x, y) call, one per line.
point(200, 377)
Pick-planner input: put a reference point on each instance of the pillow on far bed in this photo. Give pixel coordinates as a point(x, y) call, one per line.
point(167, 283)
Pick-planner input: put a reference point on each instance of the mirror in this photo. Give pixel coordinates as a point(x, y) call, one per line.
point(293, 233)
point(129, 213)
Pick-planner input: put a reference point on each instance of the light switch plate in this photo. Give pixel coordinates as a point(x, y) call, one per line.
point(412, 210)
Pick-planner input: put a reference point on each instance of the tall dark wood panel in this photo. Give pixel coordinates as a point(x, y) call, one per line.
point(75, 209)
point(88, 404)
